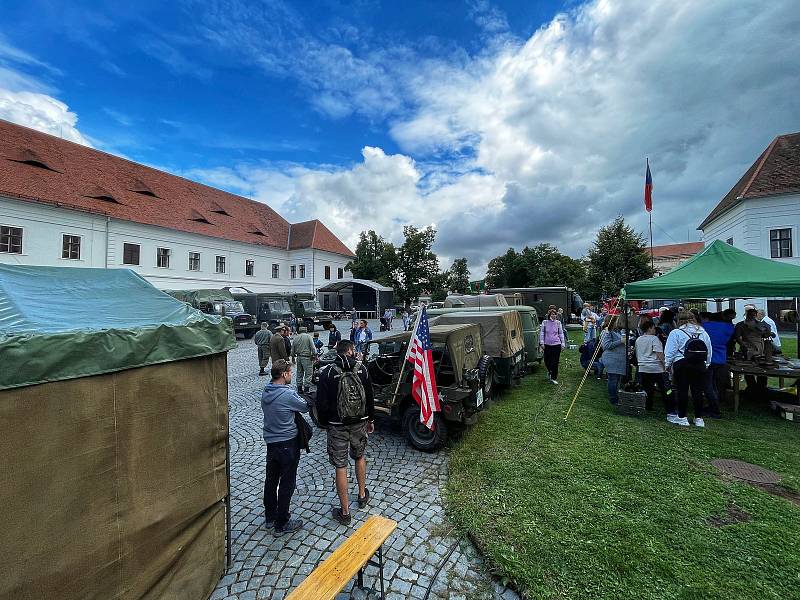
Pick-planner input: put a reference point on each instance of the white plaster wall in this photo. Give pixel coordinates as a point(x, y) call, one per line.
point(44, 225)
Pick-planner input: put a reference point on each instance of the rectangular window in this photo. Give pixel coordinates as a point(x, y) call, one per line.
point(302, 271)
point(11, 239)
point(293, 271)
point(729, 241)
point(780, 243)
point(220, 264)
point(340, 274)
point(276, 272)
point(250, 267)
point(71, 247)
point(130, 254)
point(327, 272)
point(194, 261)
point(162, 258)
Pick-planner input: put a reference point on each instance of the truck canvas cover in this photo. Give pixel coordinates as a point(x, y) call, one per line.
point(501, 332)
point(197, 297)
point(114, 405)
point(475, 301)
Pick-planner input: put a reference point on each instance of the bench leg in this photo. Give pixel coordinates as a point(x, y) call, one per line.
point(380, 567)
point(360, 579)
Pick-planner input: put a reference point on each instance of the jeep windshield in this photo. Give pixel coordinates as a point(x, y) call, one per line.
point(311, 306)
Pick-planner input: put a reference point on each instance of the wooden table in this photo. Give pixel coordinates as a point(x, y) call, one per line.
point(782, 369)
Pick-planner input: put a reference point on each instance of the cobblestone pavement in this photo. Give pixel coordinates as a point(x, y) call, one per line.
point(404, 485)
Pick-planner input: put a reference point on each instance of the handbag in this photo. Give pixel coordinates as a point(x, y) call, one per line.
point(304, 431)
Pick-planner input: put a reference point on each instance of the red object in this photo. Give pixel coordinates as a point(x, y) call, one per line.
point(423, 387)
point(648, 189)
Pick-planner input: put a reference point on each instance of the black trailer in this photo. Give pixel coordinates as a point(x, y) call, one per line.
point(542, 297)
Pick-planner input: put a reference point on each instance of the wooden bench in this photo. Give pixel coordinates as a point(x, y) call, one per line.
point(348, 560)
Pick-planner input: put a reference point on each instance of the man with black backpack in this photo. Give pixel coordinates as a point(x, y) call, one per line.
point(687, 356)
point(345, 404)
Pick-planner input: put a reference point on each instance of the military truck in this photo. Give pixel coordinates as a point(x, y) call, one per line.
point(219, 302)
point(271, 308)
point(542, 297)
point(464, 379)
point(530, 326)
point(502, 338)
point(308, 310)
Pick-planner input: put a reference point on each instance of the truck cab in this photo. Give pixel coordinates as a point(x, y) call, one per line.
point(308, 310)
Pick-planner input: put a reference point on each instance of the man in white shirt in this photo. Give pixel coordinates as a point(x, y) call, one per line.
point(762, 316)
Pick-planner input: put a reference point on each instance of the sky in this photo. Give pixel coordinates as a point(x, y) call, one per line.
point(505, 123)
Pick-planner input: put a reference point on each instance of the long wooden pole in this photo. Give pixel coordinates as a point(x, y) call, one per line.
point(651, 241)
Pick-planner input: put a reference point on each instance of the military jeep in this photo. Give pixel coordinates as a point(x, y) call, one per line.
point(464, 379)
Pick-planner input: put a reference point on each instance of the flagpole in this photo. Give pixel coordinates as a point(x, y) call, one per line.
point(651, 240)
point(408, 351)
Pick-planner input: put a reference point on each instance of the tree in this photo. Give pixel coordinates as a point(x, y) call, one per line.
point(506, 270)
point(458, 276)
point(418, 266)
point(376, 259)
point(542, 265)
point(618, 256)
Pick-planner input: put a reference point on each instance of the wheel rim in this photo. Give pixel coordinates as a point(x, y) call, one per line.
point(420, 433)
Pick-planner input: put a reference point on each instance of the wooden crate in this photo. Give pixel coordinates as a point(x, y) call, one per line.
point(790, 412)
point(631, 403)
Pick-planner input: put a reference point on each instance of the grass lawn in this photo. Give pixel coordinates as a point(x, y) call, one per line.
point(605, 506)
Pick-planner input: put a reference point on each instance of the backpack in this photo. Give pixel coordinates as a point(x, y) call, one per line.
point(695, 352)
point(351, 399)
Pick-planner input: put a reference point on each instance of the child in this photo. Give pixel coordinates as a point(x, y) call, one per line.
point(587, 351)
point(318, 343)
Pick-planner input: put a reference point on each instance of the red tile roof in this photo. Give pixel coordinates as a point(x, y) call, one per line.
point(688, 249)
point(776, 171)
point(38, 167)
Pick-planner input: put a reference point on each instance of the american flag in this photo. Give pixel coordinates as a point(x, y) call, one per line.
point(423, 387)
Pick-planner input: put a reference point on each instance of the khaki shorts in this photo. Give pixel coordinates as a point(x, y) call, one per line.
point(342, 437)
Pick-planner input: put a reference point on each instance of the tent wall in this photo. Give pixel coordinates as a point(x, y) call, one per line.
point(112, 485)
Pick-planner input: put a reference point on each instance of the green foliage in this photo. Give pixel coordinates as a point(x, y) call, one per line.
point(376, 259)
point(458, 276)
point(418, 266)
point(618, 256)
point(607, 507)
point(540, 266)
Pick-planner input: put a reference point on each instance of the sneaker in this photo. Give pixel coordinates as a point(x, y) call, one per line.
point(699, 422)
point(682, 421)
point(288, 527)
point(269, 523)
point(362, 502)
point(554, 382)
point(672, 418)
point(343, 519)
point(261, 373)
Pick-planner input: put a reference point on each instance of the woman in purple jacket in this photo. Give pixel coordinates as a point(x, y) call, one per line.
point(552, 339)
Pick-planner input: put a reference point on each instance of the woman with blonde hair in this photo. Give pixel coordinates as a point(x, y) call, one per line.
point(687, 356)
point(614, 354)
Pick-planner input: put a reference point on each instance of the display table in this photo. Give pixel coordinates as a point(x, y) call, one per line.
point(782, 369)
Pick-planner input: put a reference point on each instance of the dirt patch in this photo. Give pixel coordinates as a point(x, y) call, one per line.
point(732, 516)
point(781, 492)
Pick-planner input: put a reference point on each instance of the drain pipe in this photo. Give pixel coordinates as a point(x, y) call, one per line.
point(108, 224)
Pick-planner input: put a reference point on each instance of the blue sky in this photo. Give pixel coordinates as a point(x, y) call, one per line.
point(501, 123)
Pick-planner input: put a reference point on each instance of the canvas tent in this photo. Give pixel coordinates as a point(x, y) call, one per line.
point(483, 300)
point(721, 271)
point(113, 400)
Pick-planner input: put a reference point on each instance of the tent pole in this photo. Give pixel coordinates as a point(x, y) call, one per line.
point(652, 267)
point(627, 340)
point(797, 325)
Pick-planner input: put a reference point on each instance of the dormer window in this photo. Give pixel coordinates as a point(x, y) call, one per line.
point(199, 218)
point(140, 187)
point(216, 208)
point(256, 231)
point(100, 193)
point(26, 156)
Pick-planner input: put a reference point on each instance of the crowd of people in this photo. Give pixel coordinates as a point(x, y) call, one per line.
point(679, 356)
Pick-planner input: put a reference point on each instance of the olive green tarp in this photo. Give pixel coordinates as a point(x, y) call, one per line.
point(501, 332)
point(197, 297)
point(721, 271)
point(114, 426)
point(60, 323)
point(481, 300)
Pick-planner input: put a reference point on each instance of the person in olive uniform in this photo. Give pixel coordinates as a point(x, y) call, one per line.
point(277, 345)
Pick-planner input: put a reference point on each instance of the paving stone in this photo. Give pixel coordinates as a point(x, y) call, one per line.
point(404, 484)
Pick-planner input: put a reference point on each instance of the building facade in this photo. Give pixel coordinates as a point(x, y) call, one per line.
point(669, 256)
point(62, 204)
point(761, 213)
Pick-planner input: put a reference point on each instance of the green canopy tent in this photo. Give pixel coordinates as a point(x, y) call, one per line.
point(113, 451)
point(721, 271)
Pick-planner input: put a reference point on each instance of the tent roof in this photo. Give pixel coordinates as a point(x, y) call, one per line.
point(61, 323)
point(343, 283)
point(721, 271)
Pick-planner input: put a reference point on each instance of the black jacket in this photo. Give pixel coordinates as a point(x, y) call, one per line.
point(328, 387)
point(334, 337)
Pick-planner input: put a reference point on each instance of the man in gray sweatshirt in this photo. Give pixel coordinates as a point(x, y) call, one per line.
point(279, 402)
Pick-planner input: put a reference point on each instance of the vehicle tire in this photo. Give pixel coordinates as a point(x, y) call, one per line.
point(309, 326)
point(418, 435)
point(486, 375)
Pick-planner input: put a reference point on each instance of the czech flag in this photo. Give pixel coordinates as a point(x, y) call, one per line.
point(648, 189)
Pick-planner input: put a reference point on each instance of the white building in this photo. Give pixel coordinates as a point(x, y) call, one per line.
point(761, 213)
point(669, 256)
point(63, 204)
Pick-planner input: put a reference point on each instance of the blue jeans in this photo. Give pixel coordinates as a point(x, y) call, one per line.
point(613, 387)
point(589, 333)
